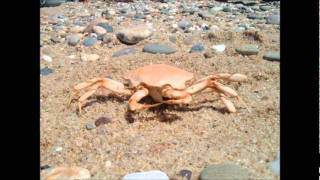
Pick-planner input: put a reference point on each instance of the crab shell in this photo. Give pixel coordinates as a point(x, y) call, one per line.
point(157, 76)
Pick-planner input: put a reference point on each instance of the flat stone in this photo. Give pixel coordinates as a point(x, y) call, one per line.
point(273, 19)
point(248, 49)
point(219, 48)
point(90, 126)
point(224, 171)
point(272, 56)
point(148, 175)
point(90, 41)
point(134, 33)
point(106, 26)
point(99, 30)
point(158, 48)
point(45, 71)
point(197, 48)
point(65, 173)
point(124, 51)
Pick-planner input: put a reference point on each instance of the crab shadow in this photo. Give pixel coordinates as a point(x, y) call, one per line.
point(162, 114)
point(161, 111)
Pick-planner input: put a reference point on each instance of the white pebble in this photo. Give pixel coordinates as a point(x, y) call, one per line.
point(151, 175)
point(47, 58)
point(219, 48)
point(57, 149)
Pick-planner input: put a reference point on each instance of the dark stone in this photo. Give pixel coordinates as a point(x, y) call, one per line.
point(45, 71)
point(106, 26)
point(186, 174)
point(102, 120)
point(197, 48)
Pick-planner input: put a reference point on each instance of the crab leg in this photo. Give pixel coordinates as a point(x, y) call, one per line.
point(134, 104)
point(94, 84)
point(227, 77)
point(178, 97)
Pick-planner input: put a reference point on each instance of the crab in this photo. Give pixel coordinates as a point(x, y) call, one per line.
point(166, 84)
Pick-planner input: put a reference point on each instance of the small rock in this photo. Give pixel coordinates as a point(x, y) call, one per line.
point(90, 126)
point(226, 9)
point(106, 26)
point(208, 54)
point(240, 29)
point(134, 33)
point(89, 57)
point(99, 30)
point(185, 174)
point(56, 39)
point(205, 15)
point(224, 171)
point(184, 24)
point(158, 48)
point(47, 58)
point(173, 39)
point(254, 16)
point(219, 48)
point(275, 167)
point(273, 19)
point(124, 51)
point(45, 71)
point(197, 48)
point(89, 41)
point(102, 120)
point(58, 148)
point(106, 38)
point(265, 8)
point(248, 49)
point(73, 39)
point(65, 173)
point(151, 175)
point(215, 9)
point(45, 167)
point(272, 56)
point(77, 29)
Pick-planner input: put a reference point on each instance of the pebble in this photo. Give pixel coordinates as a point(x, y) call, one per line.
point(106, 26)
point(156, 48)
point(65, 173)
point(45, 167)
point(275, 167)
point(248, 49)
point(45, 71)
point(273, 19)
point(124, 51)
point(185, 174)
point(184, 24)
point(226, 9)
point(47, 58)
point(265, 8)
point(208, 54)
point(240, 29)
point(89, 41)
point(224, 171)
point(58, 149)
point(90, 126)
point(134, 33)
point(102, 120)
point(148, 175)
point(106, 38)
point(173, 39)
point(254, 16)
point(197, 48)
point(77, 29)
point(215, 9)
point(205, 15)
point(272, 56)
point(56, 39)
point(219, 48)
point(73, 39)
point(89, 57)
point(99, 30)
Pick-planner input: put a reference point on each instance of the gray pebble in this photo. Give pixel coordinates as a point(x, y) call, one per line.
point(89, 41)
point(197, 48)
point(158, 48)
point(224, 171)
point(248, 49)
point(106, 26)
point(90, 126)
point(73, 39)
point(45, 71)
point(273, 19)
point(272, 56)
point(124, 51)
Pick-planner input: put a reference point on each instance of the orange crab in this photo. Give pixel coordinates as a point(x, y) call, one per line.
point(164, 83)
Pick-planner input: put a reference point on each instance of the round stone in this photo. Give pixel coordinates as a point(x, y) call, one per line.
point(134, 33)
point(73, 39)
point(158, 48)
point(224, 171)
point(90, 41)
point(184, 24)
